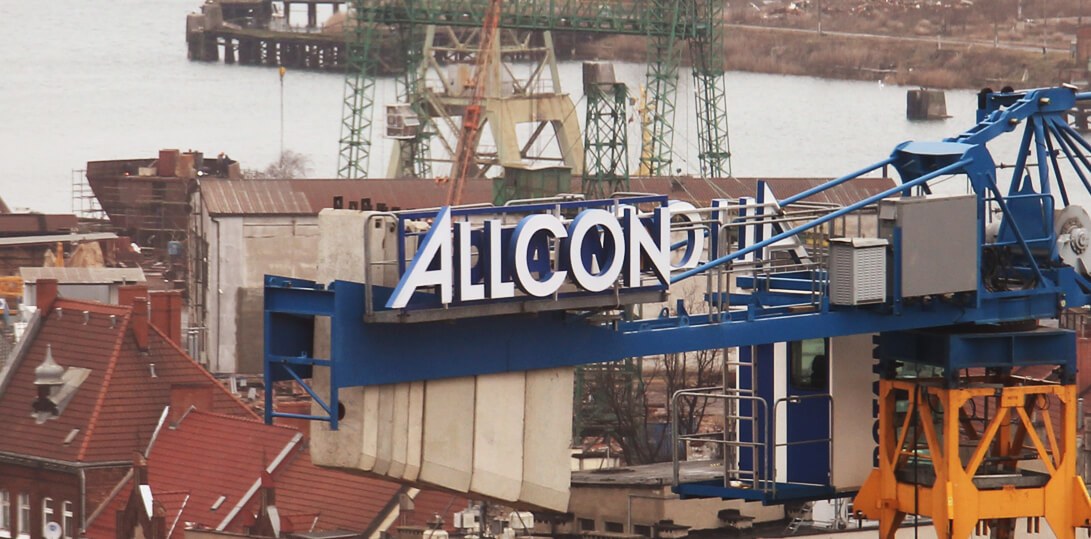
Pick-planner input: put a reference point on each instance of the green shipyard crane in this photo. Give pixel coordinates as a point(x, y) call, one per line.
point(668, 25)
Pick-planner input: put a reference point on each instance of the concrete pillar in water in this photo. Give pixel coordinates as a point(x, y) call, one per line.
point(922, 104)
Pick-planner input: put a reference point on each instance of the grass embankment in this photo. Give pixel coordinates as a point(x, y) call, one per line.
point(931, 64)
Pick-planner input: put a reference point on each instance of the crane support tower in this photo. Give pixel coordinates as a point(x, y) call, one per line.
point(667, 24)
point(933, 289)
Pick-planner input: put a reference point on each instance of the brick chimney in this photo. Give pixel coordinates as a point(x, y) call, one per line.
point(167, 313)
point(127, 293)
point(45, 292)
point(186, 396)
point(139, 322)
point(140, 469)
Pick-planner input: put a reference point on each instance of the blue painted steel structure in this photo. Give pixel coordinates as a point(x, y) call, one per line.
point(380, 353)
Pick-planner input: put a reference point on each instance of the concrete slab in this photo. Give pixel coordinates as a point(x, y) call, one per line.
point(415, 432)
point(546, 438)
point(369, 433)
point(385, 429)
point(399, 430)
point(340, 448)
point(498, 435)
point(448, 445)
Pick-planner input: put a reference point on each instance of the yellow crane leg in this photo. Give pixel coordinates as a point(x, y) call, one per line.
point(1017, 435)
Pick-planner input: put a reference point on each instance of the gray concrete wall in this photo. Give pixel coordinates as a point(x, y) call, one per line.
point(242, 250)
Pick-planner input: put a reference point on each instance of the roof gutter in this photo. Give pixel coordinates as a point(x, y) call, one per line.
point(15, 458)
point(257, 482)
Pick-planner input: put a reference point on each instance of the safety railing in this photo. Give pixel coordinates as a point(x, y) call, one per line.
point(759, 476)
point(828, 440)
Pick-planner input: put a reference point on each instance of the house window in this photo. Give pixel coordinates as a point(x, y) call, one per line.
point(810, 365)
point(69, 520)
point(24, 515)
point(5, 513)
point(587, 525)
point(615, 527)
point(47, 512)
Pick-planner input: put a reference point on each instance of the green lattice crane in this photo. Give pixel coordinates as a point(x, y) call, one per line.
point(668, 25)
point(605, 136)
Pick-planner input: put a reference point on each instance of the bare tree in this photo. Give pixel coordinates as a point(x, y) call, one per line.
point(632, 399)
point(289, 165)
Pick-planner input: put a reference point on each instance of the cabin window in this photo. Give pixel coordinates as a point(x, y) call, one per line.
point(810, 364)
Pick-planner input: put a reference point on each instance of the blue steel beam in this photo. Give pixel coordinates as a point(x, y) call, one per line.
point(367, 354)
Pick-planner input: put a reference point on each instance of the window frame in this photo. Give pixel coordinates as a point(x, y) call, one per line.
point(23, 520)
point(68, 519)
point(796, 359)
point(5, 513)
point(47, 512)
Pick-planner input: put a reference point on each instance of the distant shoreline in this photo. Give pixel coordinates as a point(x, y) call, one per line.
point(932, 64)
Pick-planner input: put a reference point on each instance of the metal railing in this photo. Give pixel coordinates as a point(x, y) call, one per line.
point(763, 444)
point(759, 476)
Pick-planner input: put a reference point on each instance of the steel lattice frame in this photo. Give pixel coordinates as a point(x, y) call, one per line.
point(412, 152)
point(359, 98)
point(708, 82)
point(605, 141)
point(666, 23)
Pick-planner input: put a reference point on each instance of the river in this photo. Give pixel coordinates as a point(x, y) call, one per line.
point(109, 79)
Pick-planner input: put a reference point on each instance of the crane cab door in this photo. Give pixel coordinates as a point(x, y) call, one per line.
point(805, 412)
point(791, 419)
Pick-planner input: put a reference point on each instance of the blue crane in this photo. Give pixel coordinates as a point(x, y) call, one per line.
point(1022, 259)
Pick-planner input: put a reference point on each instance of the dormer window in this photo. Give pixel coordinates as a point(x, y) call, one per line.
point(56, 387)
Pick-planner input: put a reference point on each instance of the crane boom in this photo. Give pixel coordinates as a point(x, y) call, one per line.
point(470, 136)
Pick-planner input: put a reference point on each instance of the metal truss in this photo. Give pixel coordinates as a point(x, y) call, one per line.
point(667, 24)
point(606, 141)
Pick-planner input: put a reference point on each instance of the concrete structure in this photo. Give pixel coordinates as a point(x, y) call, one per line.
point(92, 284)
point(638, 500)
point(503, 437)
point(241, 230)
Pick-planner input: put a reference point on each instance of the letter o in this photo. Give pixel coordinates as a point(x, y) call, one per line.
point(585, 222)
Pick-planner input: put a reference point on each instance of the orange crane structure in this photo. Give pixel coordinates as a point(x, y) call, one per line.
point(466, 151)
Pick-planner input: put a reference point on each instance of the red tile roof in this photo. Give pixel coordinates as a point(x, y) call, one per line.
point(340, 500)
point(702, 190)
point(429, 503)
point(192, 457)
point(307, 197)
point(208, 455)
point(117, 407)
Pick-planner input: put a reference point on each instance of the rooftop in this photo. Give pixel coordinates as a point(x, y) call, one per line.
point(210, 456)
point(116, 408)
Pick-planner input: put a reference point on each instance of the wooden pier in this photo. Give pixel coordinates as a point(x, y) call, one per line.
point(268, 48)
point(237, 31)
